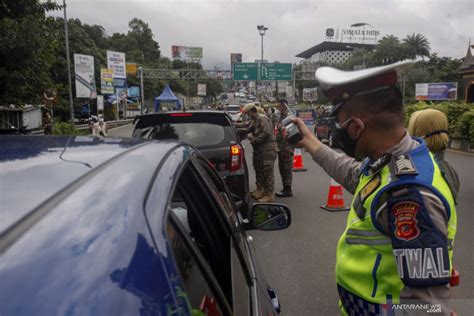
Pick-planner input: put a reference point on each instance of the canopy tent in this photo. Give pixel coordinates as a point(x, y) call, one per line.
point(167, 96)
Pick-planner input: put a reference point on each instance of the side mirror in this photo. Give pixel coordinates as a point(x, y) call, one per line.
point(270, 216)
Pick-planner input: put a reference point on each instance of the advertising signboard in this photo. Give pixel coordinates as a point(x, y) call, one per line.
point(235, 58)
point(307, 115)
point(201, 89)
point(106, 81)
point(436, 91)
point(310, 94)
point(84, 74)
point(116, 62)
point(100, 103)
point(131, 69)
point(186, 52)
point(134, 91)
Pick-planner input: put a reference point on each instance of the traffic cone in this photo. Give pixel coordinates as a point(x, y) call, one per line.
point(298, 161)
point(335, 200)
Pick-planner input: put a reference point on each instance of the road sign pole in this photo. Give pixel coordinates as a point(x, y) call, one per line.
point(142, 92)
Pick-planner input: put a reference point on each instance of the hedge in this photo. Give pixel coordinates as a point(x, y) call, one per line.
point(460, 117)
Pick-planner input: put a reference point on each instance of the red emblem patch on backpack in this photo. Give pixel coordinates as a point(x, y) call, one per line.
point(405, 220)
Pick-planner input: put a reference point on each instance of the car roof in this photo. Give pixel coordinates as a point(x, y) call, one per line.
point(35, 168)
point(87, 245)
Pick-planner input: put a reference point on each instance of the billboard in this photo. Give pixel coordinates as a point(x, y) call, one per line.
point(106, 81)
point(186, 52)
point(134, 91)
point(307, 115)
point(131, 69)
point(116, 62)
point(100, 103)
point(310, 94)
point(235, 58)
point(201, 89)
point(436, 91)
point(84, 74)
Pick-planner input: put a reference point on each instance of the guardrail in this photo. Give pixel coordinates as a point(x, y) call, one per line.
point(110, 124)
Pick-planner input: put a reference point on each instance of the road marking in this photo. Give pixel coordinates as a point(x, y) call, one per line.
point(460, 152)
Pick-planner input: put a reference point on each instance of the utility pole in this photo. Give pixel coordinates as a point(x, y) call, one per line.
point(66, 35)
point(142, 92)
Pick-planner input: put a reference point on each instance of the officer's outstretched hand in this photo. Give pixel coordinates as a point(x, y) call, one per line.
point(309, 141)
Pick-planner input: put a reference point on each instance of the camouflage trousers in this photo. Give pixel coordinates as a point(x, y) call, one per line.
point(264, 166)
point(285, 165)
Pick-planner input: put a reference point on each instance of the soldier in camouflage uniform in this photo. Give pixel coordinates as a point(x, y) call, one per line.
point(264, 155)
point(285, 153)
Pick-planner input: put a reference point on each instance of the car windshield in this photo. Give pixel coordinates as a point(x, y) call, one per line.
point(232, 108)
point(201, 130)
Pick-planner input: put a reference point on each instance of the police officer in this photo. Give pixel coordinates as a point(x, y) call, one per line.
point(285, 152)
point(398, 242)
point(265, 148)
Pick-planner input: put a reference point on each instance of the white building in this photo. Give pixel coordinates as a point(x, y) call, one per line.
point(333, 53)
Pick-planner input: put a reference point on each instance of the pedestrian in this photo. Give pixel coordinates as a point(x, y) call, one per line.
point(47, 124)
point(264, 154)
point(285, 152)
point(398, 243)
point(432, 126)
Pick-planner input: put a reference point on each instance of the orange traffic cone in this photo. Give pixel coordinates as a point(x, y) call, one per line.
point(298, 161)
point(335, 198)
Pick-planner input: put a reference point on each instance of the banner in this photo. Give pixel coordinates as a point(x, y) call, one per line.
point(100, 103)
point(201, 89)
point(131, 69)
point(235, 58)
point(436, 91)
point(84, 74)
point(308, 116)
point(186, 52)
point(106, 81)
point(310, 94)
point(134, 91)
point(116, 62)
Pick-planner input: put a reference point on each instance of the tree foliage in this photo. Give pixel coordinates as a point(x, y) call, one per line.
point(33, 55)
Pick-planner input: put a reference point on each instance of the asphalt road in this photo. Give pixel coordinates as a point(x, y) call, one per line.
point(299, 261)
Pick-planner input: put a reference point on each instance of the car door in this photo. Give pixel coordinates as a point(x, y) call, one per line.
point(260, 296)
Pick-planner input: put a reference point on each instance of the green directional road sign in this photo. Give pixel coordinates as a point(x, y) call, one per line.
point(245, 71)
point(276, 71)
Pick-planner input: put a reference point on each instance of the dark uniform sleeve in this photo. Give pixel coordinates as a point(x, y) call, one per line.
point(416, 220)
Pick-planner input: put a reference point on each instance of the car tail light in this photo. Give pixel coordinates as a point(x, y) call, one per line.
point(181, 114)
point(235, 157)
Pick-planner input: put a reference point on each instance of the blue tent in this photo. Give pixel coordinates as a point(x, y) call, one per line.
point(166, 96)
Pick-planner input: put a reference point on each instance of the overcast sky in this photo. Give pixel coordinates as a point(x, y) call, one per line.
point(222, 27)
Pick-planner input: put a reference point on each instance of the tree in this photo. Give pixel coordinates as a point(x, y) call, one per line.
point(389, 50)
point(416, 45)
point(26, 50)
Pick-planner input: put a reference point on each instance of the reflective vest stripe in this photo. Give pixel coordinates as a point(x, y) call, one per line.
point(368, 233)
point(362, 241)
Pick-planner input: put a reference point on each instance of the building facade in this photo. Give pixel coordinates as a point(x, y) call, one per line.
point(332, 53)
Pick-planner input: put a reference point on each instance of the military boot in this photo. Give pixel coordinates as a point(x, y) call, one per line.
point(267, 198)
point(257, 194)
point(286, 192)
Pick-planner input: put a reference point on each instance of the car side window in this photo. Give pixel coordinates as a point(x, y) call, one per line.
point(199, 294)
point(198, 221)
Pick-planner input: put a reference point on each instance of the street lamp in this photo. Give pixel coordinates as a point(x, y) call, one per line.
point(261, 30)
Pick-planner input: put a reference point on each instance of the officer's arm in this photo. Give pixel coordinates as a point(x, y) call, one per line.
point(340, 167)
point(416, 220)
point(263, 132)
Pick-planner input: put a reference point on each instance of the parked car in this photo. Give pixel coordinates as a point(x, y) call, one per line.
point(213, 133)
point(323, 130)
point(234, 111)
point(125, 227)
